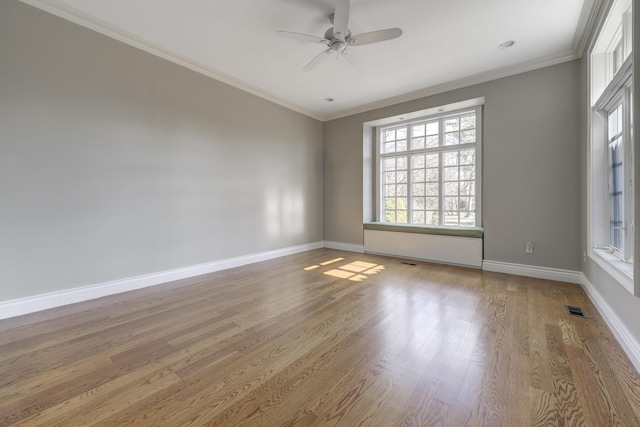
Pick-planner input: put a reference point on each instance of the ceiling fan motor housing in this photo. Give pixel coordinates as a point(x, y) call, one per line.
point(339, 41)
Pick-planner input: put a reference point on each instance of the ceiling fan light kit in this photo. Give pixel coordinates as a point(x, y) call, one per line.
point(338, 38)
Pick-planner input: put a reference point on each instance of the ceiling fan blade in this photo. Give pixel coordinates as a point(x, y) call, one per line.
point(353, 59)
point(318, 59)
point(302, 37)
point(375, 36)
point(341, 18)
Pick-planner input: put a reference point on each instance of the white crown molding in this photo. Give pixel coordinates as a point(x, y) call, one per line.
point(77, 17)
point(586, 25)
point(41, 302)
point(629, 343)
point(533, 271)
point(344, 246)
point(457, 84)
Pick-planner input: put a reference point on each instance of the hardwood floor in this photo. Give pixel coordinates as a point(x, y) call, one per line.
point(321, 338)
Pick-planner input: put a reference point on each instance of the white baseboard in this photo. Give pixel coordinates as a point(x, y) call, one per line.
point(35, 303)
point(629, 344)
point(532, 271)
point(344, 246)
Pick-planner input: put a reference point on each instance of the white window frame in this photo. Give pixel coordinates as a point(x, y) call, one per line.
point(610, 85)
point(380, 208)
point(622, 98)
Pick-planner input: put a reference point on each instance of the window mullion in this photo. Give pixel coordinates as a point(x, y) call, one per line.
point(409, 178)
point(441, 172)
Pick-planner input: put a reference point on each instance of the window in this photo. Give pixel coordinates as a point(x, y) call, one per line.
point(611, 230)
point(429, 170)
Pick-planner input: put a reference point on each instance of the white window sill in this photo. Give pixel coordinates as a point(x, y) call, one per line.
point(621, 271)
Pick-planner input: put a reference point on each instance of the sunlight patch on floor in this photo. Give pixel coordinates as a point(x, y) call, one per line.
point(356, 271)
point(331, 261)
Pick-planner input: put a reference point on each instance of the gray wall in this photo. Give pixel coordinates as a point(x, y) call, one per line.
point(115, 163)
point(531, 166)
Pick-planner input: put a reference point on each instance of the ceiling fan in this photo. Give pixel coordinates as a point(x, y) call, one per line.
point(338, 38)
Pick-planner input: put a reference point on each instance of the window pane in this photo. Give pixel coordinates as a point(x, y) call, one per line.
point(418, 203)
point(389, 147)
point(467, 172)
point(451, 218)
point(389, 216)
point(452, 138)
point(468, 136)
point(468, 219)
point(402, 217)
point(417, 161)
point(401, 145)
point(418, 189)
point(615, 118)
point(470, 205)
point(401, 163)
point(467, 188)
point(450, 188)
point(468, 122)
point(451, 158)
point(388, 135)
point(431, 189)
point(432, 203)
point(466, 204)
point(417, 143)
point(431, 175)
point(419, 130)
point(401, 133)
point(389, 190)
point(417, 217)
point(452, 124)
point(390, 177)
point(616, 194)
point(401, 190)
point(432, 160)
point(431, 217)
point(418, 175)
point(467, 157)
point(451, 174)
point(432, 128)
point(432, 141)
point(389, 164)
point(450, 203)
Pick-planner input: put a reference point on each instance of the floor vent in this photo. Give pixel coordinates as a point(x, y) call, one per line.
point(574, 311)
point(408, 263)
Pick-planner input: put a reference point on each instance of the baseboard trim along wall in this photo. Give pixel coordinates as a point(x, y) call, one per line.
point(41, 302)
point(626, 339)
point(533, 271)
point(349, 247)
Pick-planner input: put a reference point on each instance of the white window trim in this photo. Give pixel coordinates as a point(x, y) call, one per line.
point(477, 106)
point(619, 270)
point(620, 95)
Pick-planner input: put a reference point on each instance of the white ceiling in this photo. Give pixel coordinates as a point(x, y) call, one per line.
point(445, 44)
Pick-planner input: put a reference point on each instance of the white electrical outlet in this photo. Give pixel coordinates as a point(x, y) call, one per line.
point(528, 247)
